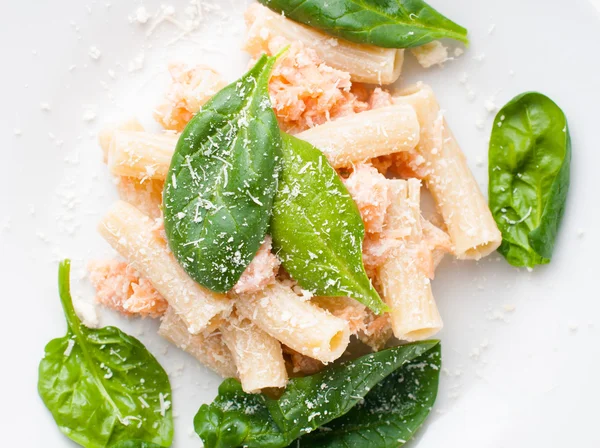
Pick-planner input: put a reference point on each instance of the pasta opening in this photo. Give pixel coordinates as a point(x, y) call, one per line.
point(421, 334)
point(336, 340)
point(480, 251)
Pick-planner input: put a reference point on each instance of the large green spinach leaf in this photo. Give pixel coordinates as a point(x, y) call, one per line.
point(101, 385)
point(317, 228)
point(384, 23)
point(389, 415)
point(529, 170)
point(238, 419)
point(220, 187)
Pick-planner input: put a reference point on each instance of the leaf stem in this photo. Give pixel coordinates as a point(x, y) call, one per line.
point(64, 290)
point(281, 52)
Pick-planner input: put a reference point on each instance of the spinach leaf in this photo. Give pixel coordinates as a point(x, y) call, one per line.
point(529, 170)
point(135, 444)
point(101, 385)
point(384, 23)
point(317, 228)
point(238, 419)
point(220, 187)
point(390, 415)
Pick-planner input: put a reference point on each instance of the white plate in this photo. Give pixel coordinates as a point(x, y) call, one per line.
point(521, 378)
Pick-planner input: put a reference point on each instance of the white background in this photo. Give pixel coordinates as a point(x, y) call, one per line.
point(521, 378)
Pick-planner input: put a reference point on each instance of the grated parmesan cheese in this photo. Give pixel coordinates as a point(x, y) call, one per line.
point(165, 405)
point(433, 53)
point(94, 53)
point(137, 63)
point(490, 105)
point(87, 313)
point(69, 349)
point(140, 16)
point(89, 115)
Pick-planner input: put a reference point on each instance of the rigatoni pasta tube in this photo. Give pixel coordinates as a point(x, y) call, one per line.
point(346, 141)
point(309, 330)
point(132, 234)
point(145, 194)
point(357, 138)
point(257, 355)
point(405, 285)
point(208, 348)
point(446, 174)
point(106, 135)
point(141, 154)
point(365, 63)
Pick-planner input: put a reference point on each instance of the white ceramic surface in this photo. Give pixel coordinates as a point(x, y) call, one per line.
point(521, 378)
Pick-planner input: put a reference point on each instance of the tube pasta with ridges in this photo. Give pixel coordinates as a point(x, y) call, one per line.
point(345, 141)
point(208, 348)
point(304, 327)
point(258, 356)
point(365, 63)
point(105, 137)
point(141, 154)
point(405, 285)
point(145, 194)
point(357, 138)
point(132, 234)
point(465, 211)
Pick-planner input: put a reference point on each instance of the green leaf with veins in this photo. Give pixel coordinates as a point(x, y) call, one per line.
point(391, 412)
point(101, 385)
point(317, 229)
point(220, 187)
point(529, 171)
point(333, 397)
point(135, 444)
point(384, 23)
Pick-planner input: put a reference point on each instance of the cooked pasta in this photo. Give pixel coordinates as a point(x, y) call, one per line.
point(257, 355)
point(357, 138)
point(405, 285)
point(365, 63)
point(132, 234)
point(141, 154)
point(208, 348)
point(382, 146)
point(105, 138)
point(442, 165)
point(346, 141)
point(304, 327)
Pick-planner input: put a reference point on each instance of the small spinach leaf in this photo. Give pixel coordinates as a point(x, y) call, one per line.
point(529, 170)
point(223, 176)
point(317, 228)
point(238, 419)
point(101, 385)
point(384, 23)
